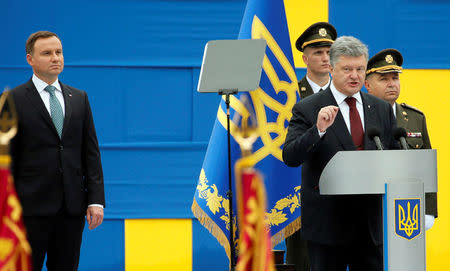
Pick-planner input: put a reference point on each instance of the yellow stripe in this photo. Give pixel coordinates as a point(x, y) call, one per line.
point(158, 244)
point(314, 41)
point(300, 15)
point(428, 91)
point(389, 67)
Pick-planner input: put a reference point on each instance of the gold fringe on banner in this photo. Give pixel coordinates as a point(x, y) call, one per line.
point(212, 227)
point(286, 232)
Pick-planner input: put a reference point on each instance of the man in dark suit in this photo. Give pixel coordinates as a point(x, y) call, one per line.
point(315, 44)
point(383, 81)
point(56, 158)
point(341, 230)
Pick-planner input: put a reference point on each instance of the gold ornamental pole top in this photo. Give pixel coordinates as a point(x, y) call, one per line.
point(246, 133)
point(8, 121)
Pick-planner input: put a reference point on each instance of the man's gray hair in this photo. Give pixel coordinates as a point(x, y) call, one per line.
point(347, 46)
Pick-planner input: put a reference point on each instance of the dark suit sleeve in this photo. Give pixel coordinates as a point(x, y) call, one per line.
point(91, 160)
point(302, 137)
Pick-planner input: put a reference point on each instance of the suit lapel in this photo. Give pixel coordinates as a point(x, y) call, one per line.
point(36, 100)
point(67, 93)
point(339, 128)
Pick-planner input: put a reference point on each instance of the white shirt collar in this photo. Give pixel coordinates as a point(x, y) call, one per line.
point(315, 87)
point(394, 107)
point(340, 97)
point(40, 85)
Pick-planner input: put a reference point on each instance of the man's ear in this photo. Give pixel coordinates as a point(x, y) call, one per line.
point(305, 59)
point(30, 59)
point(367, 84)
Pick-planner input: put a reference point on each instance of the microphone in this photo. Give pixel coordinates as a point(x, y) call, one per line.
point(400, 135)
point(374, 134)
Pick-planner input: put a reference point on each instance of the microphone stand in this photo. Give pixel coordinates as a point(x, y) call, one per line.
point(227, 93)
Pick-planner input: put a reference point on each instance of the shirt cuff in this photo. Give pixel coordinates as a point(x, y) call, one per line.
point(96, 205)
point(320, 133)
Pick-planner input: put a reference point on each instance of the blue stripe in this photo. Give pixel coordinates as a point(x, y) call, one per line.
point(207, 253)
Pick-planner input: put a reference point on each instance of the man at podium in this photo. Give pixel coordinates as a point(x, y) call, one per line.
point(341, 231)
point(315, 43)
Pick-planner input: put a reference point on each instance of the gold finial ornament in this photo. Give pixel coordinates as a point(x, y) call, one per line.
point(323, 32)
point(8, 121)
point(389, 59)
point(246, 133)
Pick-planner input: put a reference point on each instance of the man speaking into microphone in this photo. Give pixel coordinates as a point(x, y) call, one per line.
point(341, 231)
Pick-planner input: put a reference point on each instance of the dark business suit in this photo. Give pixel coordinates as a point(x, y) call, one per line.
point(55, 178)
point(334, 220)
point(296, 247)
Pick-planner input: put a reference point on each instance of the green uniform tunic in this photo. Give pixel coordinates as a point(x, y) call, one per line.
point(413, 120)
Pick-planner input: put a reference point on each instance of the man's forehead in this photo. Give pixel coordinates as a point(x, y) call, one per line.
point(387, 74)
point(348, 58)
point(47, 41)
point(318, 48)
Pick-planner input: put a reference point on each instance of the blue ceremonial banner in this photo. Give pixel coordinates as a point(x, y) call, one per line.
point(270, 105)
point(407, 218)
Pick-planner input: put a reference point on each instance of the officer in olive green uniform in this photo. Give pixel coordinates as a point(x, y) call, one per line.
point(382, 80)
point(315, 43)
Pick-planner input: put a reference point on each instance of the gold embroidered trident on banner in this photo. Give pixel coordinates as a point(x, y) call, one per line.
point(8, 121)
point(408, 224)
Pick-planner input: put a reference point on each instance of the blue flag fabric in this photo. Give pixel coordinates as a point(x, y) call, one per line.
point(271, 104)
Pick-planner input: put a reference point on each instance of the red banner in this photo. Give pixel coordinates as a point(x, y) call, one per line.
point(255, 251)
point(15, 252)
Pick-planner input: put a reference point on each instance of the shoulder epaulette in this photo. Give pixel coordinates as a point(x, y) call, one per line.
point(411, 107)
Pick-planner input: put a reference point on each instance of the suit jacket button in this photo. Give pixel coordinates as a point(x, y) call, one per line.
point(60, 170)
point(61, 147)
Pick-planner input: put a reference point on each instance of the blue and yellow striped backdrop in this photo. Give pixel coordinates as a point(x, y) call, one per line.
point(139, 62)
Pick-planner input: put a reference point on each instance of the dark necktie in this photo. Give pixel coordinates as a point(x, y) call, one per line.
point(56, 111)
point(355, 124)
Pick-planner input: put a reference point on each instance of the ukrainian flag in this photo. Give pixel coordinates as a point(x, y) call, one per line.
point(271, 105)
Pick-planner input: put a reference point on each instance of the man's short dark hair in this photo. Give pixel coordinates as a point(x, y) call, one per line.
point(29, 45)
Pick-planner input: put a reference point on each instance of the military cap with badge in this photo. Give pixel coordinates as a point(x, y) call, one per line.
point(386, 61)
point(317, 35)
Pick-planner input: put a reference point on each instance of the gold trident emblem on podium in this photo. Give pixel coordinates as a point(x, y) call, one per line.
point(408, 223)
point(8, 121)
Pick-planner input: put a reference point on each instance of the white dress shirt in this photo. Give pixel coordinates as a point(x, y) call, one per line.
point(315, 87)
point(45, 96)
point(345, 109)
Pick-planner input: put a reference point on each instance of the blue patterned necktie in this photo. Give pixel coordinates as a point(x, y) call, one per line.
point(56, 111)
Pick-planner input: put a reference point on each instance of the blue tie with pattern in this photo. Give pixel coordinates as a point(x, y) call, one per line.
point(56, 111)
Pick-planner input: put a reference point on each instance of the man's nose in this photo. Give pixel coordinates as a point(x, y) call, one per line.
point(390, 82)
point(55, 57)
point(354, 73)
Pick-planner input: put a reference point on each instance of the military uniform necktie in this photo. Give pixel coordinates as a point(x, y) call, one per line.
point(56, 111)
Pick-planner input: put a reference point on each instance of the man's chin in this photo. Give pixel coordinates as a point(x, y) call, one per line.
point(54, 72)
